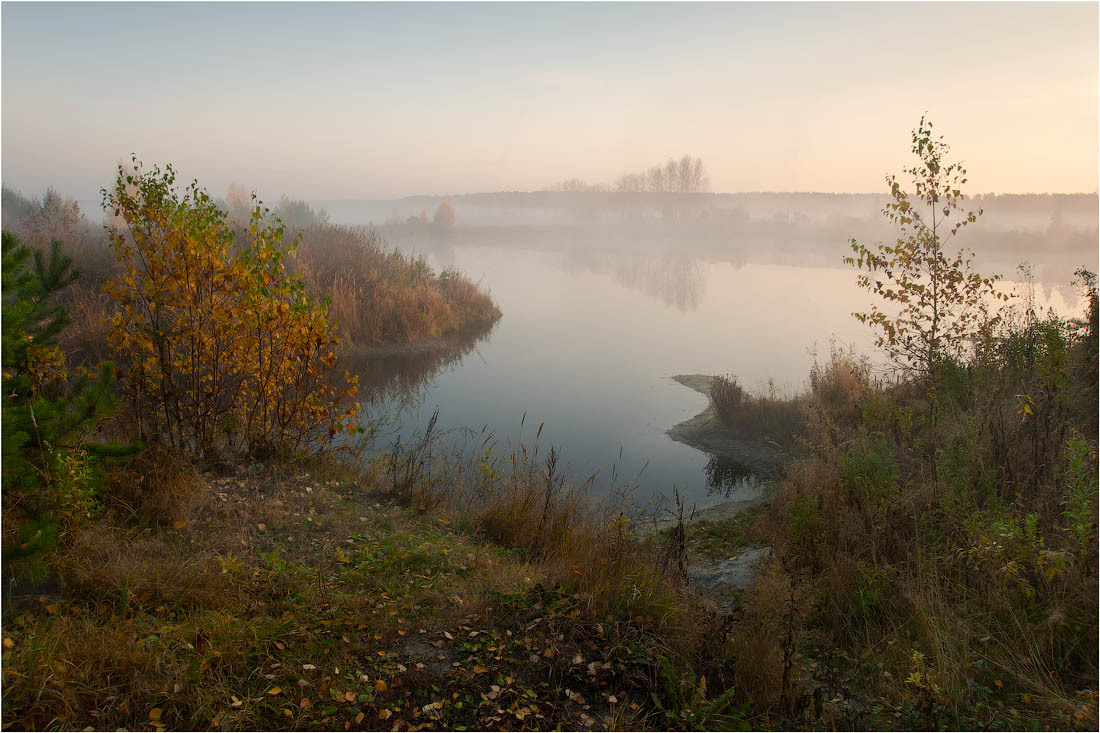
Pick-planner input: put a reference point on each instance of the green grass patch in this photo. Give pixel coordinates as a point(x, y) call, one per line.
point(724, 537)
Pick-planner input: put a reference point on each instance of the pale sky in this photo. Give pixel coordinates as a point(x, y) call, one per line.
point(379, 100)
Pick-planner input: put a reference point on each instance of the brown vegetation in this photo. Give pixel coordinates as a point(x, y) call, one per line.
point(380, 296)
point(767, 416)
point(292, 598)
point(944, 579)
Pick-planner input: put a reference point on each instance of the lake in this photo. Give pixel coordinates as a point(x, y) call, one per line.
point(589, 341)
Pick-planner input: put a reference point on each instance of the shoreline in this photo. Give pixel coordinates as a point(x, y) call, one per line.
point(468, 332)
point(706, 433)
point(726, 578)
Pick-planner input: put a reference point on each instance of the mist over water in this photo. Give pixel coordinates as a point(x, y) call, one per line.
point(592, 333)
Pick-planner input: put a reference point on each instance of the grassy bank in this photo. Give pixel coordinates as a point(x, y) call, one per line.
point(316, 598)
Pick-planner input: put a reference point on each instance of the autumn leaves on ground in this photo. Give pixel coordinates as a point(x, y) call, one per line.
point(295, 600)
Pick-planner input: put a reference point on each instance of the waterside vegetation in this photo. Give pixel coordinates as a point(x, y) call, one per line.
point(212, 552)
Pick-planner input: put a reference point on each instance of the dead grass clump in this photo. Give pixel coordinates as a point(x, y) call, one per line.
point(160, 485)
point(85, 338)
point(728, 396)
point(64, 668)
point(132, 568)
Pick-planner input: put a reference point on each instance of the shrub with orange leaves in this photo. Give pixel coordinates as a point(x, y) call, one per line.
point(223, 351)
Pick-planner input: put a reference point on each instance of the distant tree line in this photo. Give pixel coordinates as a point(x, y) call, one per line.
point(684, 176)
point(687, 175)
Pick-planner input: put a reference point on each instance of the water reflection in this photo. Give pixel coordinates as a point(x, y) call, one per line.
point(400, 377)
point(675, 280)
point(727, 478)
point(590, 359)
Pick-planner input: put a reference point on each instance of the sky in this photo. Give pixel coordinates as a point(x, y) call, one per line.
point(353, 101)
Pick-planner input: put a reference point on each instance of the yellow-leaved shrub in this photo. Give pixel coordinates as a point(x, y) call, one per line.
point(223, 351)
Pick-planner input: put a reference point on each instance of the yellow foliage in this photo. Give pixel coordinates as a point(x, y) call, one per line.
point(223, 349)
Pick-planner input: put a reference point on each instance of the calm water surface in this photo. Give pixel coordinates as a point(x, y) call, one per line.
point(588, 343)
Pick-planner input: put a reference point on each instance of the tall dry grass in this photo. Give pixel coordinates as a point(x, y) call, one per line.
point(85, 339)
point(769, 416)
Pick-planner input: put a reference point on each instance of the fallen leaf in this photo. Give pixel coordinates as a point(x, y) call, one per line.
point(305, 704)
point(359, 718)
point(53, 608)
point(155, 713)
point(380, 685)
point(384, 714)
point(275, 691)
point(349, 696)
point(179, 525)
point(8, 643)
point(236, 703)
